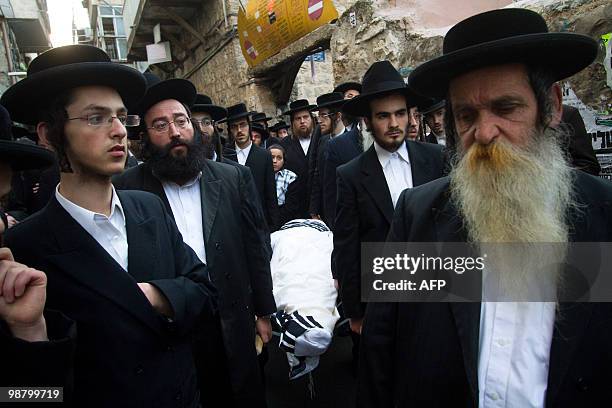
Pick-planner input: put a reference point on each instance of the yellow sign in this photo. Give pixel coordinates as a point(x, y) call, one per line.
point(268, 26)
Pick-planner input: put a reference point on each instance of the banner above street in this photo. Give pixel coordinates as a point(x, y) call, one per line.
point(267, 26)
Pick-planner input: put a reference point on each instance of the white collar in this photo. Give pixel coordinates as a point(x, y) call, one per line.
point(85, 217)
point(384, 155)
point(246, 149)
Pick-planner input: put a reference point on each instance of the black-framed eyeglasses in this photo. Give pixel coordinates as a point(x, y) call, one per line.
point(203, 122)
point(106, 120)
point(326, 115)
point(162, 125)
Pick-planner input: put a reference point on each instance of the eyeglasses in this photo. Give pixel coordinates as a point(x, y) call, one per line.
point(203, 122)
point(162, 125)
point(326, 115)
point(106, 120)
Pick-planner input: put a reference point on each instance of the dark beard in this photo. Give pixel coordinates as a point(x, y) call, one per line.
point(177, 169)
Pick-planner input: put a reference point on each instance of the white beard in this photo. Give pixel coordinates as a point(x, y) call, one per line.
point(516, 214)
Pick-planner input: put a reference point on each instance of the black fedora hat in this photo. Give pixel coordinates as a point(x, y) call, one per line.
point(299, 105)
point(261, 130)
point(330, 100)
point(432, 105)
point(259, 117)
point(501, 37)
point(64, 68)
point(20, 155)
point(203, 103)
point(158, 90)
point(345, 86)
point(379, 80)
point(281, 125)
point(236, 112)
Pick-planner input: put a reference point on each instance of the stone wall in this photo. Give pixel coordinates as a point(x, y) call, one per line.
point(406, 32)
point(381, 34)
point(308, 87)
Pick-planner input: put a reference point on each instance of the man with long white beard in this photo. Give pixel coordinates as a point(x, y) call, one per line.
point(510, 184)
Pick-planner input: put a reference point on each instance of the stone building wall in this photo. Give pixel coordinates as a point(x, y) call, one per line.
point(406, 32)
point(381, 34)
point(308, 87)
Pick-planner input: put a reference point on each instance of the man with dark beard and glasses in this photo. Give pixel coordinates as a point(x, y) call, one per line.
point(221, 219)
point(512, 184)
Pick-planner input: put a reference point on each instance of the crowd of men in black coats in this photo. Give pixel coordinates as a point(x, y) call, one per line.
point(136, 267)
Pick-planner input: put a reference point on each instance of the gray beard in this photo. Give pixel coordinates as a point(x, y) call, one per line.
point(518, 218)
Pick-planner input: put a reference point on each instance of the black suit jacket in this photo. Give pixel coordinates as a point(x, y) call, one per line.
point(237, 260)
point(338, 151)
point(298, 162)
point(412, 351)
point(260, 163)
point(364, 212)
point(431, 138)
point(579, 145)
point(126, 353)
point(317, 166)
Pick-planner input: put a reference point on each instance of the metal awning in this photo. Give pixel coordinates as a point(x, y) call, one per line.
point(173, 15)
point(30, 35)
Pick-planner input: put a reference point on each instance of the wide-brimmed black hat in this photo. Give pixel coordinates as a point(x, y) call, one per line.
point(20, 155)
point(432, 105)
point(281, 125)
point(299, 105)
point(345, 86)
point(261, 130)
point(379, 80)
point(63, 68)
point(330, 100)
point(158, 90)
point(203, 103)
point(501, 37)
point(236, 112)
point(260, 117)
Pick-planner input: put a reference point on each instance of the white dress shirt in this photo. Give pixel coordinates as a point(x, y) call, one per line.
point(109, 232)
point(186, 204)
point(397, 169)
point(305, 143)
point(243, 154)
point(513, 362)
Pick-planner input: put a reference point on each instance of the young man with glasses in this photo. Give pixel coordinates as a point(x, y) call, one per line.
point(219, 216)
point(115, 262)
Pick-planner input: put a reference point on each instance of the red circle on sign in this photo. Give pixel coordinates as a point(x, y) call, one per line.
point(250, 49)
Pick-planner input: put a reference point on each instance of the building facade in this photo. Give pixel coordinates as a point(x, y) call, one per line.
point(24, 33)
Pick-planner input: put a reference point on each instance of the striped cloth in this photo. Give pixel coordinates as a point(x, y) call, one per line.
point(316, 224)
point(302, 353)
point(283, 178)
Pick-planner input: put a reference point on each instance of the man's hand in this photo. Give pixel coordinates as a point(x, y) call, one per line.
point(315, 217)
point(336, 285)
point(356, 325)
point(157, 299)
point(11, 221)
point(22, 298)
point(264, 328)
